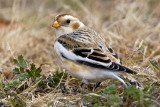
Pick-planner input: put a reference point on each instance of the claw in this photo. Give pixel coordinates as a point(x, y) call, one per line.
point(137, 84)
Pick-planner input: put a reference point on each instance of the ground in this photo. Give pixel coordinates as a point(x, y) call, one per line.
point(130, 27)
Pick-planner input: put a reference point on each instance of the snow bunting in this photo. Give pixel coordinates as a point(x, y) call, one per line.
point(84, 54)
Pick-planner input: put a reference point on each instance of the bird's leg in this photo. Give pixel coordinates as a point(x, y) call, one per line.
point(80, 86)
point(97, 85)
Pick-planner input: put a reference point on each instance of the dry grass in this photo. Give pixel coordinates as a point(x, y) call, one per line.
point(132, 28)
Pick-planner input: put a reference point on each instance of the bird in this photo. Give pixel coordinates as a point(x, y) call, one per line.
point(83, 52)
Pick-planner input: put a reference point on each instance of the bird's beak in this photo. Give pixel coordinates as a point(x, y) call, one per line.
point(56, 24)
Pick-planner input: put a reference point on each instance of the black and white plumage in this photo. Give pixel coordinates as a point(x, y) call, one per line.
point(84, 53)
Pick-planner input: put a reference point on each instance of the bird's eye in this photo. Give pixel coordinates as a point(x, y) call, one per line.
point(68, 21)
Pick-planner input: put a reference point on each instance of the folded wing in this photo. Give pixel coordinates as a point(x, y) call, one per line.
point(96, 58)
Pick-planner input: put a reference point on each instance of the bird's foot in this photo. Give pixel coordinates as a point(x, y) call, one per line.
point(135, 83)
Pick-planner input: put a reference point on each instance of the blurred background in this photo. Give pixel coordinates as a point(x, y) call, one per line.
point(130, 27)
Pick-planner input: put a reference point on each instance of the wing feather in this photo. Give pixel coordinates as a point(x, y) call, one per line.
point(102, 58)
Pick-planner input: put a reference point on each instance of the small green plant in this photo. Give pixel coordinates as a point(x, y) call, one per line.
point(24, 71)
point(111, 89)
point(131, 93)
point(17, 102)
point(97, 104)
point(112, 96)
point(107, 98)
point(114, 100)
point(52, 81)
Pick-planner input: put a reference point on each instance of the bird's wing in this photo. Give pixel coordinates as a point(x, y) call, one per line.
point(87, 52)
point(96, 58)
point(90, 36)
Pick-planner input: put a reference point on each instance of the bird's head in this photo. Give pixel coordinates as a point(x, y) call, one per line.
point(66, 23)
